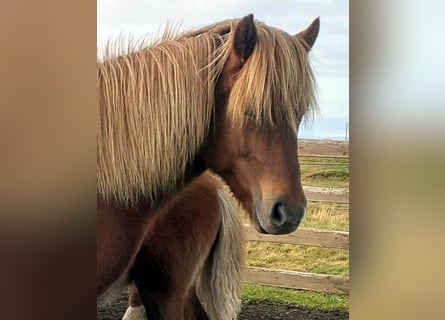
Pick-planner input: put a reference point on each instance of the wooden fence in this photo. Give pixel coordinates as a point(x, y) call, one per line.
point(308, 237)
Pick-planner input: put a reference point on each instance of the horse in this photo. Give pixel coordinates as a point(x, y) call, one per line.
point(227, 97)
point(194, 256)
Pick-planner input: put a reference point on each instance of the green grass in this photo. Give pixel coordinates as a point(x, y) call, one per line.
point(310, 300)
point(324, 160)
point(325, 175)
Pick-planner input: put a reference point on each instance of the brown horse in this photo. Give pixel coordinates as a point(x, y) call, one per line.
point(228, 97)
point(195, 248)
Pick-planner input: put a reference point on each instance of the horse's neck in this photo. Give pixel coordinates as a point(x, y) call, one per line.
point(197, 167)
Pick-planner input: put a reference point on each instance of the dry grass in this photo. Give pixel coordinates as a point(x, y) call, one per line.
point(327, 216)
point(297, 258)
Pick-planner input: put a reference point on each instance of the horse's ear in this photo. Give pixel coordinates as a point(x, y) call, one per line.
point(245, 37)
point(310, 34)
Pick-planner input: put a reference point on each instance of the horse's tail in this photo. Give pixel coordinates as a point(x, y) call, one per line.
point(220, 281)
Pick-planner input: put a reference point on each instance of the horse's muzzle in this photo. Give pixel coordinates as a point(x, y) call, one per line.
point(286, 219)
point(281, 219)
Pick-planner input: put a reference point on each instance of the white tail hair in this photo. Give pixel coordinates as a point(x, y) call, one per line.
point(220, 282)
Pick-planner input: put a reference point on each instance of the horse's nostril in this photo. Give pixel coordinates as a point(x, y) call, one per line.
point(278, 214)
point(282, 214)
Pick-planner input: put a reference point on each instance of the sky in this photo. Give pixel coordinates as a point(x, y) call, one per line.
point(329, 56)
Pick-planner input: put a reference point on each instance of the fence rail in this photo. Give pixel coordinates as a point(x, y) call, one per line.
point(297, 280)
point(308, 237)
point(321, 194)
point(325, 164)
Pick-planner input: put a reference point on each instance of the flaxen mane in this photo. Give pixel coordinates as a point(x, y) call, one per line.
point(154, 111)
point(155, 104)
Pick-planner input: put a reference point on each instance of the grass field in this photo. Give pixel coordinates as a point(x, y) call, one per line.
point(329, 175)
point(319, 172)
point(310, 300)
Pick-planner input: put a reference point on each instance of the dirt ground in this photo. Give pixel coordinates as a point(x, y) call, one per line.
point(256, 311)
